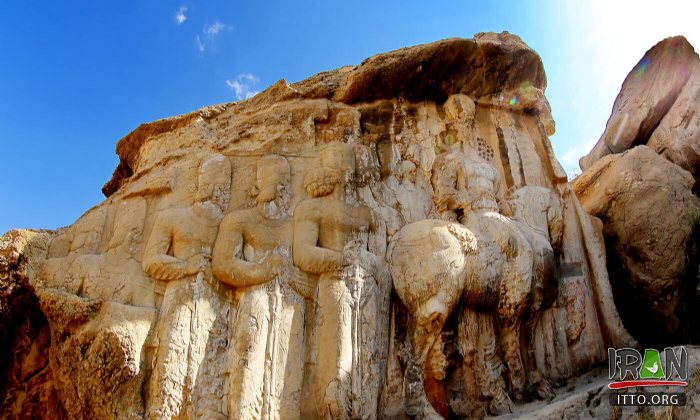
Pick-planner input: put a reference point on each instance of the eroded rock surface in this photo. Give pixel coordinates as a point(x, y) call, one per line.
point(677, 137)
point(649, 206)
point(27, 381)
point(648, 211)
point(390, 240)
point(657, 106)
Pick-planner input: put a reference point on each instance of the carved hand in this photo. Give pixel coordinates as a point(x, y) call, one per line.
point(361, 257)
point(300, 283)
point(196, 264)
point(276, 264)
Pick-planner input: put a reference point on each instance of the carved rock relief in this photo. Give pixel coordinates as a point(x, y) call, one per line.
point(327, 257)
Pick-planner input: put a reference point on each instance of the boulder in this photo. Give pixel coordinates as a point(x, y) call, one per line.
point(649, 214)
point(658, 85)
point(677, 137)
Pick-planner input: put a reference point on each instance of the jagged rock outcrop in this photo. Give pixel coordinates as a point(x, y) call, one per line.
point(262, 259)
point(494, 68)
point(27, 381)
point(648, 211)
point(649, 206)
point(677, 137)
point(657, 106)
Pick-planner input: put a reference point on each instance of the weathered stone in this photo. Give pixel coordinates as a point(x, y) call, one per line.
point(648, 212)
point(26, 380)
point(269, 258)
point(491, 67)
point(648, 93)
point(677, 137)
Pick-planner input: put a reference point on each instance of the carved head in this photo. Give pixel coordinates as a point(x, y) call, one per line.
point(273, 178)
point(214, 182)
point(341, 157)
point(460, 108)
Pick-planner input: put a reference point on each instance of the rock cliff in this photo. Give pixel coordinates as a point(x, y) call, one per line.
point(657, 106)
point(648, 204)
point(387, 240)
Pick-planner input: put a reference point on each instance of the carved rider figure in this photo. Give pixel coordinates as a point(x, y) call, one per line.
point(469, 187)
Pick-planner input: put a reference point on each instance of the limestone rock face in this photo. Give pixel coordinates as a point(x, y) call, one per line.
point(647, 208)
point(657, 106)
point(677, 137)
point(27, 379)
point(380, 241)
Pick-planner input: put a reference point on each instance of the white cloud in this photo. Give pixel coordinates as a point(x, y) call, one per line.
point(571, 157)
point(210, 31)
point(242, 85)
point(214, 28)
point(180, 17)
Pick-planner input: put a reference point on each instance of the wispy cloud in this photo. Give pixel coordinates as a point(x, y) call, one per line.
point(210, 32)
point(214, 28)
point(180, 17)
point(570, 157)
point(243, 85)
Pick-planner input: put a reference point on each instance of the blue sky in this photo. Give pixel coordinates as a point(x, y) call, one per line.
point(76, 76)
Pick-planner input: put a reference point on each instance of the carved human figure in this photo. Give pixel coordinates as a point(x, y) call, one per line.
point(253, 254)
point(116, 275)
point(482, 261)
point(82, 238)
point(112, 325)
point(476, 199)
point(178, 252)
point(330, 240)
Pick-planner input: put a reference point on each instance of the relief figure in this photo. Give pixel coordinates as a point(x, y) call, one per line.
point(253, 254)
point(331, 232)
point(179, 252)
point(482, 261)
point(116, 275)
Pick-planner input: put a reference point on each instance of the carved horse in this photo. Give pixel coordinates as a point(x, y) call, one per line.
point(487, 263)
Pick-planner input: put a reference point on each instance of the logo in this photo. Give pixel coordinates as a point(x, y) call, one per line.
point(634, 370)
